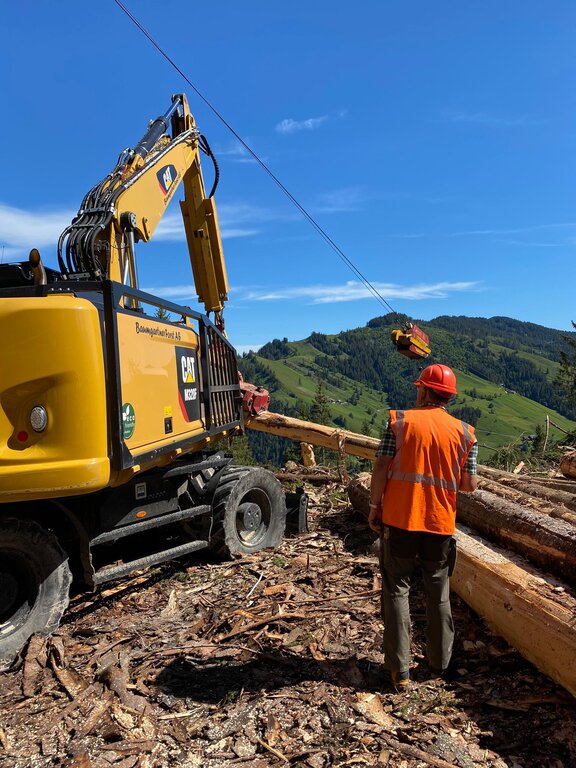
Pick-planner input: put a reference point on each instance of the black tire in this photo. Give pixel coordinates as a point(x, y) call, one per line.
point(35, 582)
point(249, 512)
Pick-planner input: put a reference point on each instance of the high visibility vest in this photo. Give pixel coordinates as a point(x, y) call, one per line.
point(424, 474)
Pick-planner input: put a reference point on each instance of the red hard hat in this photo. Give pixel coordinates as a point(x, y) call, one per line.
point(438, 377)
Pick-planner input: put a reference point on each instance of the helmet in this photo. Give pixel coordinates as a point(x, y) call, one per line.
point(438, 377)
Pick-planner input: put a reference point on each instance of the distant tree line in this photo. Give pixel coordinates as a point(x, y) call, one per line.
point(488, 348)
point(276, 349)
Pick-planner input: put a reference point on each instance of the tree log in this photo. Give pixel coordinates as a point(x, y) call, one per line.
point(359, 492)
point(535, 615)
point(317, 434)
point(562, 491)
point(568, 464)
point(365, 447)
point(548, 543)
point(533, 612)
point(525, 499)
point(307, 477)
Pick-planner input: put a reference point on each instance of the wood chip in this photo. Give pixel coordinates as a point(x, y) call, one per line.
point(273, 751)
point(370, 706)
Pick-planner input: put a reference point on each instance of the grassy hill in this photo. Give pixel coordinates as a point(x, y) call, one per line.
point(505, 370)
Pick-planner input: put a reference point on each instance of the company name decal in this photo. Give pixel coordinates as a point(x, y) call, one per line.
point(164, 333)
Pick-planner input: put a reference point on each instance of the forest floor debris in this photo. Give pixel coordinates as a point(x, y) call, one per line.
point(272, 660)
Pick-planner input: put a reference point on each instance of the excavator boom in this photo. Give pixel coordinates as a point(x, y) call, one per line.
point(128, 204)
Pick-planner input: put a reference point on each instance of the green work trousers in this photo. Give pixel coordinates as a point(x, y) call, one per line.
point(400, 553)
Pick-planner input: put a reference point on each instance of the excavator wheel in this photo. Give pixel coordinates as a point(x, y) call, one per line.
point(35, 581)
point(249, 512)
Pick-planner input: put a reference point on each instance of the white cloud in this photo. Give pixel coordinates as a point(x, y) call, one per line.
point(489, 232)
point(408, 235)
point(288, 125)
point(354, 291)
point(525, 244)
point(21, 230)
point(340, 200)
point(171, 228)
point(232, 214)
point(172, 291)
point(516, 230)
point(238, 153)
point(330, 294)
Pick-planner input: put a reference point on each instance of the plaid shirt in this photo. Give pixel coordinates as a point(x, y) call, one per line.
point(387, 447)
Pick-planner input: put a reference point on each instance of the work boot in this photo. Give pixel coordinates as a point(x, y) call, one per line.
point(400, 681)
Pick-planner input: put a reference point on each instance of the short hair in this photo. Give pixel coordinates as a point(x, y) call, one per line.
point(442, 398)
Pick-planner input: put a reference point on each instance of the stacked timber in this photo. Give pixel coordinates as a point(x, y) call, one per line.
point(534, 613)
point(547, 542)
point(560, 491)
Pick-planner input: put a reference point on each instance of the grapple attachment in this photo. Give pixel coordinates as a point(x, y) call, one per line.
point(411, 341)
point(255, 399)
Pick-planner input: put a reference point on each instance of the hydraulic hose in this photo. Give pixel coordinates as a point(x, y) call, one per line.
point(205, 147)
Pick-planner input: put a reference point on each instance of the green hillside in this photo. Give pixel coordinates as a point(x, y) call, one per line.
point(505, 371)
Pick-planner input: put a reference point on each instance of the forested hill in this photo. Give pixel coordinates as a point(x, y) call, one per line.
point(506, 371)
point(513, 334)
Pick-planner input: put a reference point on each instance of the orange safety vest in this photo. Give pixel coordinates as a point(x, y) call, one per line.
point(424, 474)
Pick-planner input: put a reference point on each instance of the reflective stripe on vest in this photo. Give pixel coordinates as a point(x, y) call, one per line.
point(414, 477)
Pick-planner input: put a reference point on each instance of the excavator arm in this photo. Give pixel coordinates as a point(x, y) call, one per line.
point(127, 206)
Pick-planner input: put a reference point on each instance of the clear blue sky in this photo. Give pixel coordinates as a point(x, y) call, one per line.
point(434, 142)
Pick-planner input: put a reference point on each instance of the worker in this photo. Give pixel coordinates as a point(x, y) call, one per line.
point(424, 458)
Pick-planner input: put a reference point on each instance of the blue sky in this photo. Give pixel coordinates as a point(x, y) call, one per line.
point(434, 142)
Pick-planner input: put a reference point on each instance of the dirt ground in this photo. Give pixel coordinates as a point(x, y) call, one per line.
point(272, 660)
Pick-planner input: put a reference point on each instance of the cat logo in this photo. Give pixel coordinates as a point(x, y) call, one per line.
point(187, 365)
point(188, 390)
point(166, 177)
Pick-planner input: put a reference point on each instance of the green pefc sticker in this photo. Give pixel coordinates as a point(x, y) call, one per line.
point(128, 421)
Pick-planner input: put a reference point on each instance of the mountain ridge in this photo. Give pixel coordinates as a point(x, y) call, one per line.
point(505, 369)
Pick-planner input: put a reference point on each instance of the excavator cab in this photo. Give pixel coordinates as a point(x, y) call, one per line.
point(411, 341)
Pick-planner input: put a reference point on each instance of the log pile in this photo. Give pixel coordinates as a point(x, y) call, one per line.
point(517, 590)
point(548, 543)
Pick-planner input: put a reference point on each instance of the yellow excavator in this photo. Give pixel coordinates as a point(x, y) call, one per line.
point(112, 400)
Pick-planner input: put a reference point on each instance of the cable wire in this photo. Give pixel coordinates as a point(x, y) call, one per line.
point(323, 234)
